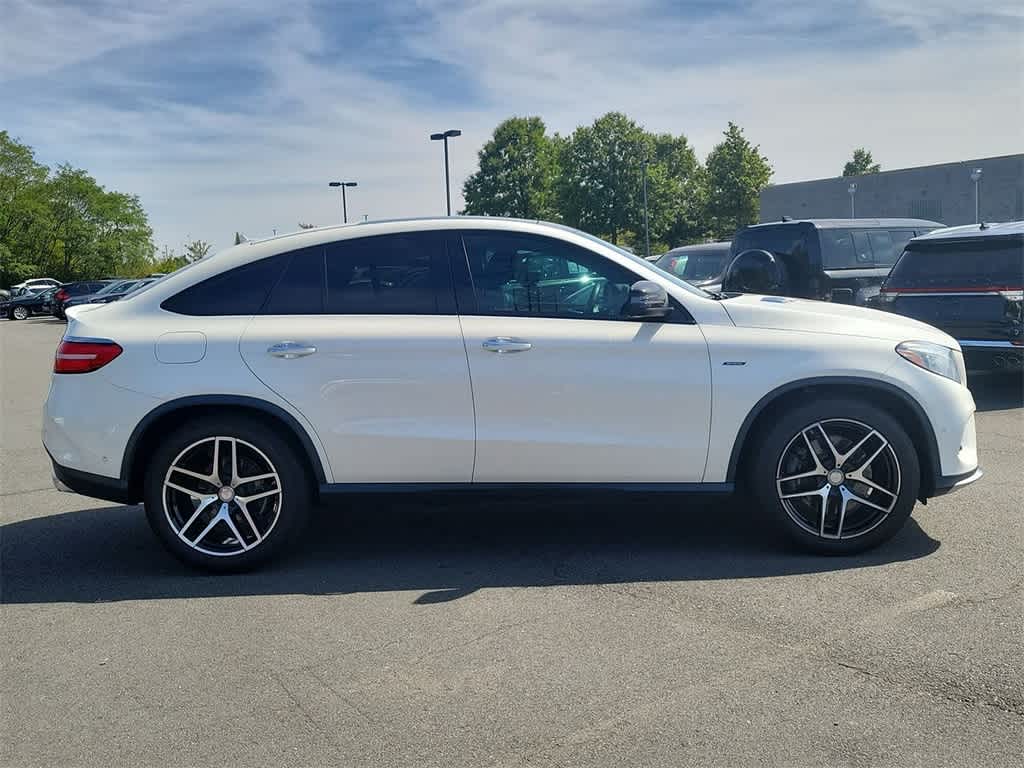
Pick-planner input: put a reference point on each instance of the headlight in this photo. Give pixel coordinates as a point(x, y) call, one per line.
point(935, 358)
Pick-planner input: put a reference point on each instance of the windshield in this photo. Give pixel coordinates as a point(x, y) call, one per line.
point(696, 264)
point(111, 287)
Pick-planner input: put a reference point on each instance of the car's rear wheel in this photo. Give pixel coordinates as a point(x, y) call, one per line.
point(226, 494)
point(838, 476)
point(19, 313)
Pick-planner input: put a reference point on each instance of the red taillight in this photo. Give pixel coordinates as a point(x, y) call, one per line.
point(61, 295)
point(83, 356)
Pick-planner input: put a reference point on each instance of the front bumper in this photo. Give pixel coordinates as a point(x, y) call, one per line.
point(951, 483)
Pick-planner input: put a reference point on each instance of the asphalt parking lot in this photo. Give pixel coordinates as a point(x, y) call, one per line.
point(440, 632)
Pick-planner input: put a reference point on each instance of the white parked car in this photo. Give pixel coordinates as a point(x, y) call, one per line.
point(38, 283)
point(484, 353)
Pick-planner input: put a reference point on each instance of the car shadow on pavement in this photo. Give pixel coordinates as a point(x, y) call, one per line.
point(998, 392)
point(442, 548)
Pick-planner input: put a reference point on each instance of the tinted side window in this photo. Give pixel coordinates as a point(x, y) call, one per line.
point(900, 238)
point(532, 276)
point(837, 249)
point(388, 274)
point(882, 248)
point(300, 290)
point(239, 291)
point(862, 249)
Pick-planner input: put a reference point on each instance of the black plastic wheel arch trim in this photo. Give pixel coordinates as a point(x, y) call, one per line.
point(128, 462)
point(930, 453)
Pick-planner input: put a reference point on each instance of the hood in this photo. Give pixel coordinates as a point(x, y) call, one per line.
point(788, 314)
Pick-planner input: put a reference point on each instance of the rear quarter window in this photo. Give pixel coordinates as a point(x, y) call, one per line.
point(238, 291)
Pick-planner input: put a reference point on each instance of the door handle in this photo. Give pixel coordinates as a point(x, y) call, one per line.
point(289, 350)
point(502, 344)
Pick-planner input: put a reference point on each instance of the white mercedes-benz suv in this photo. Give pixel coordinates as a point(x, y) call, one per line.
point(491, 354)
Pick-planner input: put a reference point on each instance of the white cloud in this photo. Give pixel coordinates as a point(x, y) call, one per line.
point(943, 83)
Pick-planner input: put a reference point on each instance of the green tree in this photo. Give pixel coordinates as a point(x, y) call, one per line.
point(517, 168)
point(861, 163)
point(196, 250)
point(600, 187)
point(736, 174)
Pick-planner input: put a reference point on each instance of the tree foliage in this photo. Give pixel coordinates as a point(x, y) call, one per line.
point(196, 250)
point(861, 163)
point(736, 174)
point(517, 168)
point(64, 224)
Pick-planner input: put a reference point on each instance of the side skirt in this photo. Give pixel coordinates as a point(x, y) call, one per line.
point(697, 489)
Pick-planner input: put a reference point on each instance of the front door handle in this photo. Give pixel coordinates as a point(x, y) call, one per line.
point(502, 344)
point(289, 350)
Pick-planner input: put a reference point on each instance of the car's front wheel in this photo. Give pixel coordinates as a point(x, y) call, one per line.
point(837, 475)
point(19, 313)
point(226, 494)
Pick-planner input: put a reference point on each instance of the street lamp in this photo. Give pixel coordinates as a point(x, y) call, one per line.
point(852, 189)
point(647, 232)
point(450, 134)
point(976, 178)
point(344, 203)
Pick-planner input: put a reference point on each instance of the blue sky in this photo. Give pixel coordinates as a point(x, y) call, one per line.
point(226, 117)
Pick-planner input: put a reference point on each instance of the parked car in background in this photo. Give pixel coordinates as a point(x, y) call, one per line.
point(840, 260)
point(124, 289)
point(121, 287)
point(38, 283)
point(488, 354)
point(968, 281)
point(700, 265)
point(28, 303)
point(15, 294)
point(70, 291)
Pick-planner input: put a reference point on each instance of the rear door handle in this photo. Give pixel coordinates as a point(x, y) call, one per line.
point(289, 350)
point(502, 344)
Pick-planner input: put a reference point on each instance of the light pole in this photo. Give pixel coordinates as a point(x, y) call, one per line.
point(647, 232)
point(976, 178)
point(344, 203)
point(852, 189)
point(450, 134)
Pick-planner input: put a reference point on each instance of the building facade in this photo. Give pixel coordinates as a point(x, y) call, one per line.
point(943, 193)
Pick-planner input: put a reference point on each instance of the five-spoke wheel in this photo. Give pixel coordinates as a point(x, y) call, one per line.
point(225, 494)
point(838, 478)
point(840, 475)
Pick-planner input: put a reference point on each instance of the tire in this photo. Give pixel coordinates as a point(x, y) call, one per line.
point(276, 505)
point(20, 313)
point(864, 504)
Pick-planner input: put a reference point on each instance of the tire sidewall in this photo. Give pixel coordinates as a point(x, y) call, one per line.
point(777, 437)
point(24, 313)
point(295, 486)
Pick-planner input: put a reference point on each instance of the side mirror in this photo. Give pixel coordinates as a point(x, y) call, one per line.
point(756, 271)
point(647, 299)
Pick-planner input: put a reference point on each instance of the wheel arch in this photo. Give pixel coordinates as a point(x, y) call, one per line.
point(898, 403)
point(145, 436)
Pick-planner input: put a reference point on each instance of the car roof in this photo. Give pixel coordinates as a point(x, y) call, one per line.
point(971, 231)
point(851, 223)
point(723, 245)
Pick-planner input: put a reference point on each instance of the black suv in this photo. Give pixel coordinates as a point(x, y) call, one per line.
point(841, 260)
point(968, 281)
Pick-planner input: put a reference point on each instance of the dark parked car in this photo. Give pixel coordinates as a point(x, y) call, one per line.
point(113, 286)
point(70, 291)
point(968, 281)
point(697, 264)
point(841, 260)
point(27, 302)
